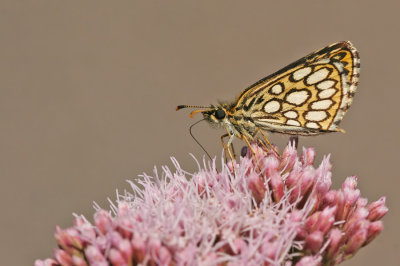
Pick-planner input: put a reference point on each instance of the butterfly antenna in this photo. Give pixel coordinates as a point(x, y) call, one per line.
point(179, 107)
point(190, 131)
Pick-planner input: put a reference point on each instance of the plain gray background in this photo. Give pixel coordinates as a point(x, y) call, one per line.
point(88, 91)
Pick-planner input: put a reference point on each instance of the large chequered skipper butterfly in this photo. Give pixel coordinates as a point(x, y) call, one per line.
point(307, 97)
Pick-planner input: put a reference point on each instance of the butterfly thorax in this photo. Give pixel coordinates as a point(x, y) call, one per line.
point(235, 123)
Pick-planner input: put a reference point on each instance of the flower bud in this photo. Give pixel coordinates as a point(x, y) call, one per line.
point(374, 229)
point(103, 222)
point(116, 257)
point(277, 186)
point(63, 257)
point(307, 158)
point(356, 241)
point(78, 261)
point(310, 261)
point(314, 241)
point(256, 185)
point(138, 249)
point(350, 183)
point(377, 209)
point(335, 237)
point(95, 256)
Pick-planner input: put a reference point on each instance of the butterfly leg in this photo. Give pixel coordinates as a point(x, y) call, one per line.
point(227, 149)
point(224, 146)
point(228, 145)
point(233, 150)
point(269, 143)
point(261, 142)
point(249, 145)
point(252, 151)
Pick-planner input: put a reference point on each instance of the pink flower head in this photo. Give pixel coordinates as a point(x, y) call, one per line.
point(260, 210)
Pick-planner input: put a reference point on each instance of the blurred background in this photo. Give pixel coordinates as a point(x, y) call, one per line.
point(88, 91)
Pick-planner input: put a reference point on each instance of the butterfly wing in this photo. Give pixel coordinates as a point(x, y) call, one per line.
point(307, 97)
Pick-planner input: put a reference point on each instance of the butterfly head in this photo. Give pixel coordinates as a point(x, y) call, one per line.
point(215, 115)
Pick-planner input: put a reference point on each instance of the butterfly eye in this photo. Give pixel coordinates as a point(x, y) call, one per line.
point(219, 114)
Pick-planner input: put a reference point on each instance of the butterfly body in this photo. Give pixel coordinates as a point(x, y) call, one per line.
point(307, 97)
point(236, 124)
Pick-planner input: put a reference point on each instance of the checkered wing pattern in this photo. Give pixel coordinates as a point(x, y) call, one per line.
point(308, 97)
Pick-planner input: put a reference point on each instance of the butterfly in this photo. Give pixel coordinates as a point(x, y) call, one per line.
point(308, 97)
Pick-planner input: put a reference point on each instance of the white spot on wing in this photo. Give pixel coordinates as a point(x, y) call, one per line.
point(318, 76)
point(301, 73)
point(290, 114)
point(321, 105)
point(266, 121)
point(292, 122)
point(277, 89)
point(326, 93)
point(326, 84)
point(339, 66)
point(272, 106)
point(312, 125)
point(324, 61)
point(297, 97)
point(316, 115)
